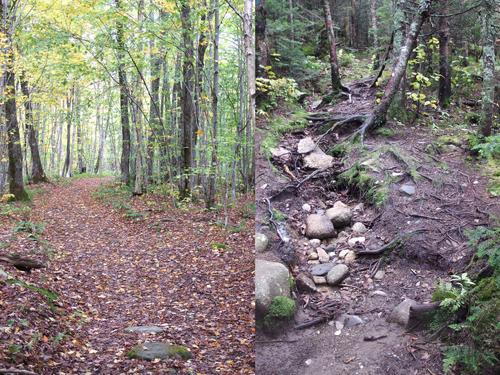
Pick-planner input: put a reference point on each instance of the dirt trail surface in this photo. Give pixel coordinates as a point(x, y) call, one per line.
point(445, 198)
point(112, 272)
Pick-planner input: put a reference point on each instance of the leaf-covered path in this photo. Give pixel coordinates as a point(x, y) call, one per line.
point(163, 270)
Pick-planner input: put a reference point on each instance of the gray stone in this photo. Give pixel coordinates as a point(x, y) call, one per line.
point(340, 215)
point(359, 227)
point(321, 269)
point(359, 207)
point(337, 274)
point(407, 189)
point(158, 350)
point(352, 242)
point(319, 280)
point(343, 253)
point(313, 256)
point(318, 160)
point(306, 207)
point(304, 283)
point(261, 242)
point(350, 320)
point(401, 313)
point(3, 275)
point(322, 255)
point(379, 275)
point(144, 329)
point(379, 293)
point(319, 226)
point(350, 257)
point(280, 152)
point(272, 279)
point(330, 248)
point(306, 145)
point(315, 242)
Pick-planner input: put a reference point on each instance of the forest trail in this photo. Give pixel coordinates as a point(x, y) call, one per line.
point(163, 270)
point(446, 197)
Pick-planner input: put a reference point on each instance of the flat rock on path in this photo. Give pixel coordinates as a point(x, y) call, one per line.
point(120, 273)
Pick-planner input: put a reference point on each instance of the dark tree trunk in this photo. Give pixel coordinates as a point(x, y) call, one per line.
point(378, 117)
point(37, 172)
point(262, 46)
point(444, 62)
point(334, 65)
point(67, 161)
point(124, 117)
point(187, 101)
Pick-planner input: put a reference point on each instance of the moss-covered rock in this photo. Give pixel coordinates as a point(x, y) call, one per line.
point(159, 350)
point(281, 310)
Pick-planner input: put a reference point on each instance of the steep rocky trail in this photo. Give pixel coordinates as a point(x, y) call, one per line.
point(430, 198)
point(172, 269)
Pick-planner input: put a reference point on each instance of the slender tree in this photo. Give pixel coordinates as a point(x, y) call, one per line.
point(488, 97)
point(37, 171)
point(444, 93)
point(332, 44)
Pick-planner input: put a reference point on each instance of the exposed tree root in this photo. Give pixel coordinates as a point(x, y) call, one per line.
point(396, 243)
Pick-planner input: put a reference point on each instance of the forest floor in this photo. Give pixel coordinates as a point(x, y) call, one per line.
point(450, 197)
point(115, 262)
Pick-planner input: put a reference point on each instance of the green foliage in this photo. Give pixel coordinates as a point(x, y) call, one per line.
point(345, 58)
point(359, 181)
point(281, 309)
point(34, 230)
point(279, 216)
point(489, 147)
point(218, 246)
point(278, 90)
point(385, 132)
point(50, 296)
point(471, 310)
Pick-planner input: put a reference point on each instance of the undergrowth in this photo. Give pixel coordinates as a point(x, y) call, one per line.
point(117, 196)
point(471, 311)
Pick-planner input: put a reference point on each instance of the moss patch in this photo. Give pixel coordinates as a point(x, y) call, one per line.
point(281, 310)
point(359, 181)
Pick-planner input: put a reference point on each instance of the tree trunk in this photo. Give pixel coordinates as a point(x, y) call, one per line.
point(444, 62)
point(374, 29)
point(488, 96)
point(398, 26)
point(334, 65)
point(378, 117)
point(261, 46)
point(187, 100)
point(354, 42)
point(122, 82)
point(248, 42)
point(37, 172)
point(215, 110)
point(79, 138)
point(154, 111)
point(67, 161)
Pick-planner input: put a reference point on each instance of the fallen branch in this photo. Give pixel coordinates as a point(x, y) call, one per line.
point(312, 322)
point(384, 62)
point(373, 338)
point(23, 264)
point(355, 118)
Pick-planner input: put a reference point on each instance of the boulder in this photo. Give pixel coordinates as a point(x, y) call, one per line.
point(261, 242)
point(337, 274)
point(401, 313)
point(340, 215)
point(158, 350)
point(318, 160)
point(350, 320)
point(319, 226)
point(272, 279)
point(306, 145)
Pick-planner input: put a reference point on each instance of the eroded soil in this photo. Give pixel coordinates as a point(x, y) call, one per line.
point(450, 198)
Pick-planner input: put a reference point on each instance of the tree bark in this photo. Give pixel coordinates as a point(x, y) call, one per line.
point(67, 161)
point(261, 46)
point(249, 48)
point(378, 117)
point(122, 82)
point(37, 172)
point(444, 93)
point(374, 29)
point(215, 110)
point(488, 96)
point(334, 65)
point(187, 107)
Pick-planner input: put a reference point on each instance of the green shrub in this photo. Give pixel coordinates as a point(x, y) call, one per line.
point(281, 310)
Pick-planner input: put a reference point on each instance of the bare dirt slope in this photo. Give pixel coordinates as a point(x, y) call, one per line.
point(450, 197)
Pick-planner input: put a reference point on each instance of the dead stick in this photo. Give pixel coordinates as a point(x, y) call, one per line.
point(16, 371)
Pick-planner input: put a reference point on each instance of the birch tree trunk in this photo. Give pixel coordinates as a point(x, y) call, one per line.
point(248, 42)
point(67, 161)
point(488, 96)
point(374, 32)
